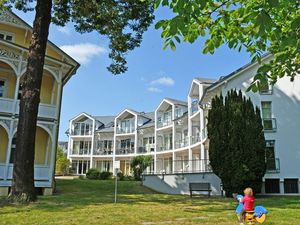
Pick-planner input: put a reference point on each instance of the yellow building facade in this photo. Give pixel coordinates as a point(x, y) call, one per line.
point(15, 37)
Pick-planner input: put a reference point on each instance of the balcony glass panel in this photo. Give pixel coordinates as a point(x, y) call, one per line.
point(82, 129)
point(164, 120)
point(182, 143)
point(81, 148)
point(194, 107)
point(126, 126)
point(104, 147)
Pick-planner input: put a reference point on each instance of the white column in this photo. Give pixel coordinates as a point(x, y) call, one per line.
point(136, 135)
point(54, 138)
point(202, 162)
point(8, 151)
point(155, 138)
point(92, 145)
point(58, 99)
point(190, 156)
point(173, 137)
point(115, 146)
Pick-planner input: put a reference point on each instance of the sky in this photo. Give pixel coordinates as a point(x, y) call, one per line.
point(153, 73)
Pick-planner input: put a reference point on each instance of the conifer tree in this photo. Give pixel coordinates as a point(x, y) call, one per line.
point(236, 142)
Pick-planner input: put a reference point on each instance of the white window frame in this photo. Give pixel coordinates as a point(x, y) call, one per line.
point(5, 33)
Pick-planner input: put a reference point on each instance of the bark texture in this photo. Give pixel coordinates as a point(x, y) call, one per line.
point(23, 189)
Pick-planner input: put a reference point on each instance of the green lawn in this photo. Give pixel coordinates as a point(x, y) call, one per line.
point(92, 202)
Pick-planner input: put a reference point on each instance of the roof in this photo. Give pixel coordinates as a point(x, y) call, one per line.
point(204, 80)
point(234, 73)
point(176, 102)
point(105, 119)
point(147, 125)
point(106, 130)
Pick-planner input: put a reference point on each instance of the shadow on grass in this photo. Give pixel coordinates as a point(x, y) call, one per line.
point(74, 194)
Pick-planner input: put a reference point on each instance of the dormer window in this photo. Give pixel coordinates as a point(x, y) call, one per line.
point(7, 36)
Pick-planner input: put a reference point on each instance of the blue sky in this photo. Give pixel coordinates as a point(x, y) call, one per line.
point(152, 75)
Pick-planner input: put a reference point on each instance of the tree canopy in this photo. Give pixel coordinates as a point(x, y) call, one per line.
point(122, 21)
point(236, 142)
point(139, 164)
point(257, 26)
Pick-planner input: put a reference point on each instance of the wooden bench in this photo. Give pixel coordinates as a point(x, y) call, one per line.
point(199, 187)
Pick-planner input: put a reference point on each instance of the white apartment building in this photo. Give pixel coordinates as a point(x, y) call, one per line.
point(175, 134)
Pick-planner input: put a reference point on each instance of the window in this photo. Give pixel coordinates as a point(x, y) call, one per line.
point(266, 110)
point(269, 123)
point(7, 36)
point(272, 186)
point(82, 129)
point(266, 89)
point(270, 155)
point(291, 186)
point(2, 88)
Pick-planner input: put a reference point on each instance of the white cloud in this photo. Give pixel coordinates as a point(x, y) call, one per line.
point(84, 52)
point(166, 81)
point(154, 89)
point(65, 30)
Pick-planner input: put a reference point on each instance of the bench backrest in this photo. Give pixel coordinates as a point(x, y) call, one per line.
point(199, 186)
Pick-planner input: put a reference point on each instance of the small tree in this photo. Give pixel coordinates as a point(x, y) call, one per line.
point(62, 163)
point(237, 143)
point(139, 164)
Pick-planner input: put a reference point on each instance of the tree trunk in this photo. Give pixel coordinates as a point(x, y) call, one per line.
point(23, 174)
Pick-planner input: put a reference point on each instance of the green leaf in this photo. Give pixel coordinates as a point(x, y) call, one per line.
point(165, 2)
point(172, 45)
point(273, 3)
point(296, 23)
point(177, 39)
point(159, 24)
point(157, 3)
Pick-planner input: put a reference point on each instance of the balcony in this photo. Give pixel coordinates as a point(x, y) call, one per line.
point(124, 151)
point(41, 172)
point(81, 151)
point(182, 143)
point(204, 133)
point(194, 108)
point(6, 105)
point(180, 166)
point(145, 149)
point(270, 125)
point(164, 123)
point(103, 151)
point(164, 148)
point(125, 130)
point(195, 139)
point(45, 110)
point(273, 165)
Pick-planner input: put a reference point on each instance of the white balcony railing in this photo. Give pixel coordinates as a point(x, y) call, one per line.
point(45, 110)
point(40, 172)
point(6, 105)
point(2, 171)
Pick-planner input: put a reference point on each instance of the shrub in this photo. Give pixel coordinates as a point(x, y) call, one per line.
point(92, 174)
point(105, 175)
point(62, 163)
point(120, 175)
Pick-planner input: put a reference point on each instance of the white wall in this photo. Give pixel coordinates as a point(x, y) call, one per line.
point(286, 109)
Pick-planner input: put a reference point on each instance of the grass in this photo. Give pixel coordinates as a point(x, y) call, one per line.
point(92, 202)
